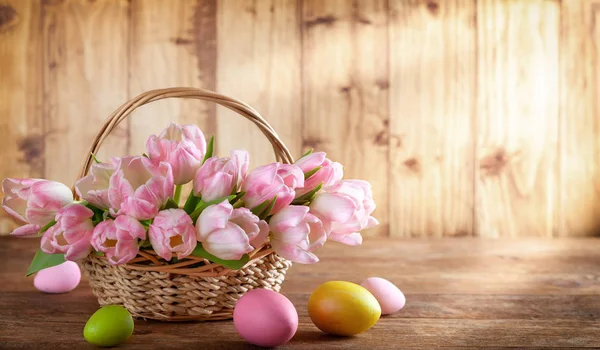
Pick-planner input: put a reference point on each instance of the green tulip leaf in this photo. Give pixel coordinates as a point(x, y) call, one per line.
point(312, 172)
point(171, 204)
point(42, 261)
point(210, 149)
point(191, 203)
point(95, 159)
point(230, 264)
point(307, 197)
point(305, 154)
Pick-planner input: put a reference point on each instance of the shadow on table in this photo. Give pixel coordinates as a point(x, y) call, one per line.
point(302, 337)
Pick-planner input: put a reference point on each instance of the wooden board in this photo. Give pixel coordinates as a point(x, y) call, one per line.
point(171, 48)
point(258, 62)
point(517, 136)
point(579, 200)
point(527, 294)
point(21, 119)
point(468, 117)
point(85, 80)
point(432, 84)
point(345, 92)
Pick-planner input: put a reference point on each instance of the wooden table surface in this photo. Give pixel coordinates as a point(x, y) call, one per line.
point(461, 293)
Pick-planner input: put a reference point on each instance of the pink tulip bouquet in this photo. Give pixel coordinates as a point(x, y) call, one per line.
point(132, 203)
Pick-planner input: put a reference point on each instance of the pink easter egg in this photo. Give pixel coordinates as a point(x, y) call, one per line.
point(265, 318)
point(390, 298)
point(58, 279)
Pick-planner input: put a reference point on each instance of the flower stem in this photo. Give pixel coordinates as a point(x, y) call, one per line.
point(177, 196)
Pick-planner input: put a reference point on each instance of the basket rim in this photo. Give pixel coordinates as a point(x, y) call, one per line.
point(149, 260)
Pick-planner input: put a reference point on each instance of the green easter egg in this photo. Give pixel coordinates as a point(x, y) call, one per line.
point(109, 326)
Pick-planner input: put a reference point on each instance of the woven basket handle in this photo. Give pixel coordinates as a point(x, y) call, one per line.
point(282, 154)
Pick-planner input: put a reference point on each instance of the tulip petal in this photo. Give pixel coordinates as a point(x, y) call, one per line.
point(311, 161)
point(294, 253)
point(26, 230)
point(119, 190)
point(78, 250)
point(213, 218)
point(241, 160)
point(246, 220)
point(262, 235)
point(333, 207)
point(15, 207)
point(352, 239)
point(372, 222)
point(230, 243)
point(290, 216)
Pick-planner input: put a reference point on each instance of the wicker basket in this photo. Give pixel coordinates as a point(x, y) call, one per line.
point(193, 288)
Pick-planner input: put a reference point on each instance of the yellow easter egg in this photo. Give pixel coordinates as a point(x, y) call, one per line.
point(343, 308)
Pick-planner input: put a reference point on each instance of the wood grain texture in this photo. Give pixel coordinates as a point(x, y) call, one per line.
point(579, 200)
point(460, 295)
point(432, 84)
point(169, 48)
point(345, 91)
point(258, 62)
point(517, 125)
point(21, 120)
point(85, 80)
point(174, 47)
point(469, 117)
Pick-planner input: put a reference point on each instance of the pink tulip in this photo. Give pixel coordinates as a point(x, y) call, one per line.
point(182, 146)
point(229, 233)
point(139, 188)
point(329, 173)
point(345, 209)
point(118, 239)
point(34, 201)
point(295, 234)
point(71, 234)
point(93, 188)
point(268, 181)
point(220, 177)
point(172, 232)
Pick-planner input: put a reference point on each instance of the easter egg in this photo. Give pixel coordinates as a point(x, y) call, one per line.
point(265, 318)
point(343, 308)
point(390, 298)
point(109, 326)
point(61, 278)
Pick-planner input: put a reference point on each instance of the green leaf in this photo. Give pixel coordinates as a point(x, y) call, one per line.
point(146, 223)
point(171, 204)
point(98, 253)
point(42, 261)
point(267, 211)
point(307, 197)
point(191, 203)
point(305, 154)
point(95, 159)
point(312, 172)
point(209, 149)
point(177, 195)
point(203, 205)
point(237, 197)
point(50, 224)
point(257, 210)
point(264, 209)
point(230, 264)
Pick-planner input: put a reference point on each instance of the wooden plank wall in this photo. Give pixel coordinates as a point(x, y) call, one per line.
point(469, 117)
